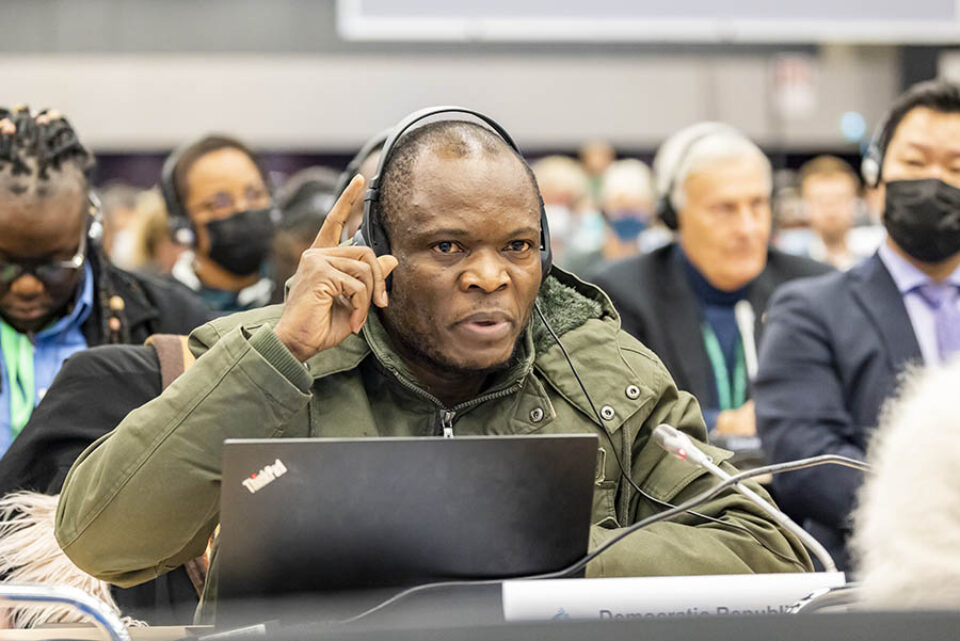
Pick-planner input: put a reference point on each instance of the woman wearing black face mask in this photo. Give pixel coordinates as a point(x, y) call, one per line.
point(216, 185)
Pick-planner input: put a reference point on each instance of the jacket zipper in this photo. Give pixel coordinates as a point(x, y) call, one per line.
point(446, 422)
point(447, 415)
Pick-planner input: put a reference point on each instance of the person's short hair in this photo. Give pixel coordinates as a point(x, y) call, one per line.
point(827, 167)
point(450, 138)
point(907, 524)
point(306, 197)
point(40, 144)
point(629, 177)
point(189, 155)
point(561, 174)
point(115, 196)
point(938, 95)
point(698, 148)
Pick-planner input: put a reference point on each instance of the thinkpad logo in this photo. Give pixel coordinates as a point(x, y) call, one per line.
point(265, 477)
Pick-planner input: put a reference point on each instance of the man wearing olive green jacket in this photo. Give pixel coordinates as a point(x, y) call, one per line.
point(454, 348)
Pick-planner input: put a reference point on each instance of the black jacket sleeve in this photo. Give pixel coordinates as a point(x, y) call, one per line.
point(619, 281)
point(92, 393)
point(801, 408)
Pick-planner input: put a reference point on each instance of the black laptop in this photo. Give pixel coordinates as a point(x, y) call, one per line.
point(338, 516)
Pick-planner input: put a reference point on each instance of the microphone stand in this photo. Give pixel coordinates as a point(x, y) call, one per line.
point(680, 445)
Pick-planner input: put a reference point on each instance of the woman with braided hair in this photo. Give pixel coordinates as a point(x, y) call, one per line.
point(59, 294)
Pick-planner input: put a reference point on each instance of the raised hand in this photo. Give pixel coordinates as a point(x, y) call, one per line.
point(333, 287)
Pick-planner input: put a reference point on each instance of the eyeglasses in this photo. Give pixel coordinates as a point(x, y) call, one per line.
point(52, 274)
point(223, 204)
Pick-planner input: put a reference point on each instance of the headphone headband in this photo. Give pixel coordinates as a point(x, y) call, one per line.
point(665, 209)
point(168, 186)
point(372, 232)
point(373, 193)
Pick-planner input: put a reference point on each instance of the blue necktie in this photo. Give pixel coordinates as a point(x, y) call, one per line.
point(942, 300)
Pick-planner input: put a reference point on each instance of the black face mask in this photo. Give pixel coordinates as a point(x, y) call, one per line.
point(240, 243)
point(923, 218)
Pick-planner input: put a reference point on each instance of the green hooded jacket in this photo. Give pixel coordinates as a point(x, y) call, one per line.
point(144, 499)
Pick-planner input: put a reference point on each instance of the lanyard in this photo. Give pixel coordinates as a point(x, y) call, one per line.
point(730, 399)
point(18, 361)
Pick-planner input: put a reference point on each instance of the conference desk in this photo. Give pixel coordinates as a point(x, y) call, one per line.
point(669, 608)
point(857, 626)
point(517, 601)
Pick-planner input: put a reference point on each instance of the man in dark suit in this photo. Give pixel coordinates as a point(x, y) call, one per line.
point(836, 345)
point(697, 303)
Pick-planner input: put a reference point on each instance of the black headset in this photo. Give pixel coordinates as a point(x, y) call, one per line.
point(665, 209)
point(871, 167)
point(95, 221)
point(181, 227)
point(372, 232)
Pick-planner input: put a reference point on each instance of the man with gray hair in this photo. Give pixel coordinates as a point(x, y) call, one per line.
point(697, 302)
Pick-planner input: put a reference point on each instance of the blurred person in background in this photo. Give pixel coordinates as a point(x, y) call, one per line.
point(628, 202)
point(155, 250)
point(697, 303)
point(907, 524)
point(63, 425)
point(830, 193)
point(304, 201)
point(835, 346)
point(577, 232)
point(364, 163)
point(118, 203)
point(59, 294)
point(596, 156)
point(218, 198)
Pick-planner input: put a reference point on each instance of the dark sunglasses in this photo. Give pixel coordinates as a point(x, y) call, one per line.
point(52, 274)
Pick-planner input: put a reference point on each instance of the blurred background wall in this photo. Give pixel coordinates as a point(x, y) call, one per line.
point(139, 76)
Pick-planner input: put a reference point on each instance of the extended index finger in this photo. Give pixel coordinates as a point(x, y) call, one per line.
point(332, 229)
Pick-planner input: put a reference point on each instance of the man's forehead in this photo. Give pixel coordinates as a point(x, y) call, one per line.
point(923, 126)
point(829, 182)
point(43, 224)
point(440, 186)
point(723, 175)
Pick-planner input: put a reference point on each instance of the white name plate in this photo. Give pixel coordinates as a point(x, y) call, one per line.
point(659, 597)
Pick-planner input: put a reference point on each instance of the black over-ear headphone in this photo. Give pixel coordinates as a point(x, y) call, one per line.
point(871, 167)
point(372, 232)
point(95, 221)
point(181, 227)
point(665, 209)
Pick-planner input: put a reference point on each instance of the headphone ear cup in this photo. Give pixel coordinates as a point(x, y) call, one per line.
point(95, 222)
point(666, 213)
point(546, 251)
point(372, 233)
point(870, 168)
point(181, 231)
